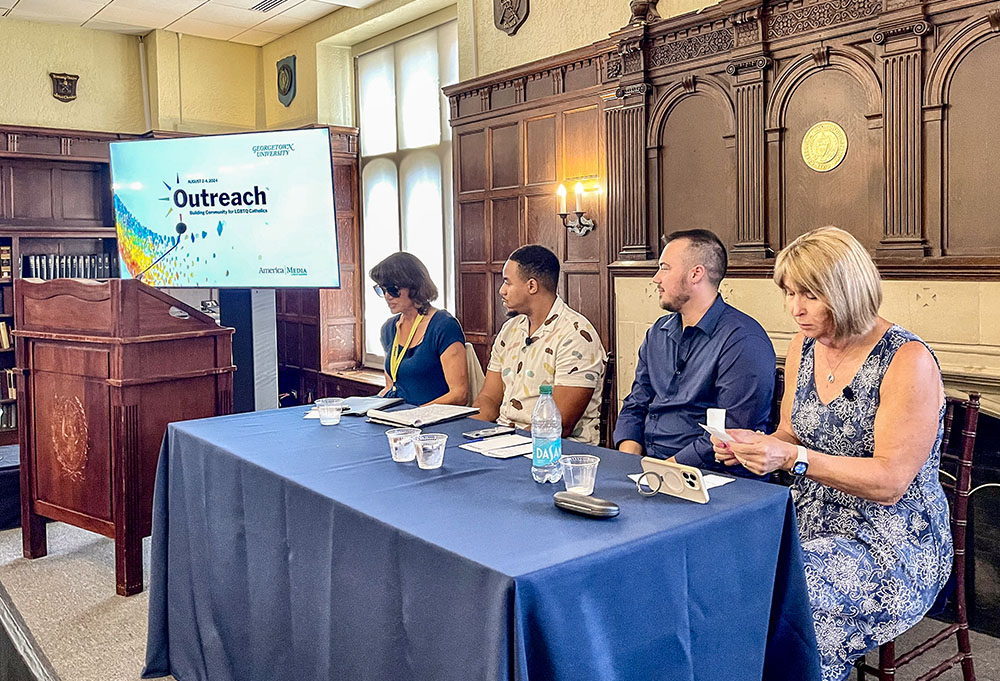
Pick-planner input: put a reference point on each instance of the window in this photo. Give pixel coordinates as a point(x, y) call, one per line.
point(406, 162)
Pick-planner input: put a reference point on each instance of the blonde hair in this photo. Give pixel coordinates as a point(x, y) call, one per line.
point(834, 267)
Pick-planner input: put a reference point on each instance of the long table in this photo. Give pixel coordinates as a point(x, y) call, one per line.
point(283, 549)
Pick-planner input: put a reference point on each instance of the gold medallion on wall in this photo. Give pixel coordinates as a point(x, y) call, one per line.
point(824, 146)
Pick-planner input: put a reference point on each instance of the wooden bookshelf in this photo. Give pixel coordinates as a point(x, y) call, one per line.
point(55, 188)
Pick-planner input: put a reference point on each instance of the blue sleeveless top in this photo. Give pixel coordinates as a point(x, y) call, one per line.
point(420, 377)
point(872, 570)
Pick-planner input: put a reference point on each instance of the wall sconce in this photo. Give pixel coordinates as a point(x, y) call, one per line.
point(576, 221)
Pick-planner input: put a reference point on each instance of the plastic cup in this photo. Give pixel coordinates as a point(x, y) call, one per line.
point(401, 444)
point(329, 409)
point(430, 449)
point(580, 473)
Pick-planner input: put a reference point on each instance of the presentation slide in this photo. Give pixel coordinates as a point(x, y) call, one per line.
point(251, 210)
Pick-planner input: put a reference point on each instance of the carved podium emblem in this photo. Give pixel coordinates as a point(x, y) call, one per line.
point(508, 15)
point(69, 436)
point(64, 86)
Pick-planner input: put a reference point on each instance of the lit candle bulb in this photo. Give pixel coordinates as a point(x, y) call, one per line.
point(579, 196)
point(562, 198)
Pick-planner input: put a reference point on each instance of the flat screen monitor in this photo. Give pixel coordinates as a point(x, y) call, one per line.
point(249, 210)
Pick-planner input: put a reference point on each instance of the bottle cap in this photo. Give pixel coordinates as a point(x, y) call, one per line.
point(545, 390)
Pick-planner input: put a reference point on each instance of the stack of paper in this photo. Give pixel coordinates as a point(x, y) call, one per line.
point(421, 416)
point(501, 447)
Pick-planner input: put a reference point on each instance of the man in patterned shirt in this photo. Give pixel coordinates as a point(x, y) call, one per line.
point(543, 342)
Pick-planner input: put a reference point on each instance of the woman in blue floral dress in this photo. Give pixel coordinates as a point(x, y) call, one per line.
point(861, 431)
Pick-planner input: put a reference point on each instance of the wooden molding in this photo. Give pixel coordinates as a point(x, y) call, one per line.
point(902, 269)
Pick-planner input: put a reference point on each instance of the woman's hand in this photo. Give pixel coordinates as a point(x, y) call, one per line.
point(723, 454)
point(759, 453)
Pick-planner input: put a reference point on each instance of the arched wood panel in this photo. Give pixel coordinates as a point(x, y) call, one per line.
point(972, 144)
point(849, 196)
point(698, 168)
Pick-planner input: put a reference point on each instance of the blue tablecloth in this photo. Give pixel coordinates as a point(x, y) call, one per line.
point(283, 549)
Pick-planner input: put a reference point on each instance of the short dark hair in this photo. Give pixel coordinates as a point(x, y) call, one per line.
point(709, 249)
point(404, 270)
point(538, 263)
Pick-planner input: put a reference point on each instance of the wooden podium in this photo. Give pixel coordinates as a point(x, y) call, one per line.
point(104, 366)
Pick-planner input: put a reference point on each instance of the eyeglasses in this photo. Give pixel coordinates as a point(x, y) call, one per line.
point(381, 291)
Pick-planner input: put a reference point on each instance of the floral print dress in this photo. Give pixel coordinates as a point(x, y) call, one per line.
point(872, 571)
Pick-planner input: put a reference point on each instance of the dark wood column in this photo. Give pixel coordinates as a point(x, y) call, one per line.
point(626, 112)
point(747, 72)
point(901, 52)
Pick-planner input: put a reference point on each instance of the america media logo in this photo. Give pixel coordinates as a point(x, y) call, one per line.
point(287, 269)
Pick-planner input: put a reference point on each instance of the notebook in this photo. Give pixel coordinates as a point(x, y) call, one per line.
point(359, 406)
point(421, 416)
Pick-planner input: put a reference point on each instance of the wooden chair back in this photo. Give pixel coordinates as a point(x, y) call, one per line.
point(607, 402)
point(961, 417)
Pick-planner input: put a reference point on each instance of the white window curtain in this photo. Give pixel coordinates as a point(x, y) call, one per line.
point(406, 163)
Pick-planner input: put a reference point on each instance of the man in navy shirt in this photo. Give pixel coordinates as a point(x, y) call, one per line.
point(706, 354)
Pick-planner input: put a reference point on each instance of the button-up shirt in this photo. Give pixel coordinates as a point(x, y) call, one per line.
point(725, 360)
point(565, 350)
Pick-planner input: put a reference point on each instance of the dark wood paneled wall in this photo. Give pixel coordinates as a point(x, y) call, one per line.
point(320, 329)
point(699, 120)
point(547, 129)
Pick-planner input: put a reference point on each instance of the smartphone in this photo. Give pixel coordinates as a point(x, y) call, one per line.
point(675, 479)
point(488, 432)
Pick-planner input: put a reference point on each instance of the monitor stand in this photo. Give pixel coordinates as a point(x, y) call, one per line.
point(255, 346)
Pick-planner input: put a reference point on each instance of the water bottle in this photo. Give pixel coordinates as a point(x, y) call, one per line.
point(546, 438)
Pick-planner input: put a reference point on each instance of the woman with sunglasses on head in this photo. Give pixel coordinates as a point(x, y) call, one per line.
point(424, 346)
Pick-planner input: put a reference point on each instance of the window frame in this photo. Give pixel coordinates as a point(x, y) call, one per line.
point(443, 151)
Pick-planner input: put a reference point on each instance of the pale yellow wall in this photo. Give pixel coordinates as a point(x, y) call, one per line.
point(555, 26)
point(957, 319)
point(109, 93)
point(321, 63)
point(551, 28)
point(201, 85)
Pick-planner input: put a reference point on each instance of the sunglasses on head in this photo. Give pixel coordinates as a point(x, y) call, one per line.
point(381, 291)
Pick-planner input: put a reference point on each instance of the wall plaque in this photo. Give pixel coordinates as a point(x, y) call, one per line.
point(824, 146)
point(64, 86)
point(508, 15)
point(286, 80)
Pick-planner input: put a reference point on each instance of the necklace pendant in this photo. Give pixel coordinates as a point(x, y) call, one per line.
point(829, 378)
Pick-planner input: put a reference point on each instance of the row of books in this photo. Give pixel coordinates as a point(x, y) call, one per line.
point(10, 380)
point(5, 262)
point(6, 341)
point(8, 415)
point(54, 266)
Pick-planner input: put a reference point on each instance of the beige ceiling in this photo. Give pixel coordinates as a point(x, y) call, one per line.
point(253, 22)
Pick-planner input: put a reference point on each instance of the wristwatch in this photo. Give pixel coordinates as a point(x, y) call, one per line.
point(801, 464)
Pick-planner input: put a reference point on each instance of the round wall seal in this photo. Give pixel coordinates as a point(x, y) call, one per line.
point(824, 146)
point(284, 79)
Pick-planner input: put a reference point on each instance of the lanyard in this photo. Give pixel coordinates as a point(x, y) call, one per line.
point(396, 355)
